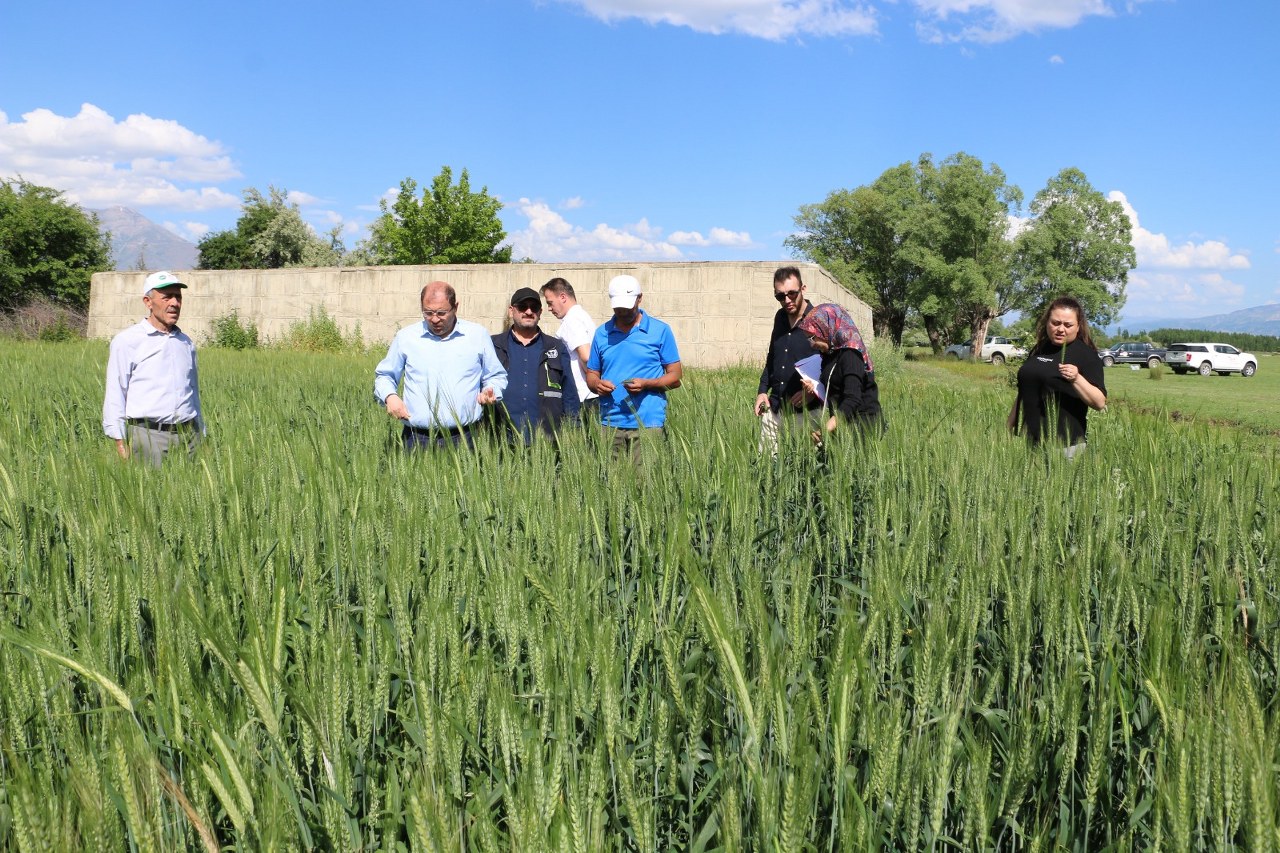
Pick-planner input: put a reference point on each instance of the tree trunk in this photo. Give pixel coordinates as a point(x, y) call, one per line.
point(980, 327)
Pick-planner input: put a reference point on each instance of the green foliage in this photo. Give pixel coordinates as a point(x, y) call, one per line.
point(929, 243)
point(1239, 340)
point(230, 333)
point(269, 234)
point(1078, 243)
point(450, 224)
point(939, 640)
point(49, 248)
point(320, 333)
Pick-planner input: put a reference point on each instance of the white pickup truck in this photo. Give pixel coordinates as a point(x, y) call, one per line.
point(1210, 358)
point(996, 350)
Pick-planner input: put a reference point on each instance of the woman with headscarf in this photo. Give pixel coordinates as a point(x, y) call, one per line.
point(1062, 375)
point(847, 371)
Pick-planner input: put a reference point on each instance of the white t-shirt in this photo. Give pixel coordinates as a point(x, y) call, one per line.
point(577, 329)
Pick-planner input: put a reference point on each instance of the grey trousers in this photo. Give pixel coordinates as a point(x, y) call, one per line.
point(153, 444)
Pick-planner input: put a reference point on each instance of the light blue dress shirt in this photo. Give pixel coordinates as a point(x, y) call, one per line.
point(442, 375)
point(151, 374)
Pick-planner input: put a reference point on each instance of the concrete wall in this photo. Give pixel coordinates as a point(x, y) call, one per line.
point(721, 312)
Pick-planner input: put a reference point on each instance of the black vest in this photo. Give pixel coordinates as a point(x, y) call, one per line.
point(551, 381)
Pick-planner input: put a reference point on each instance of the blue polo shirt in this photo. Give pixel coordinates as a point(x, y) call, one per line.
point(640, 353)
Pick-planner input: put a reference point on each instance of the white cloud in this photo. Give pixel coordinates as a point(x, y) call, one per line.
point(716, 237)
point(1056, 60)
point(1155, 250)
point(999, 20)
point(983, 21)
point(301, 198)
point(1172, 294)
point(573, 203)
point(550, 238)
point(98, 161)
point(769, 19)
point(192, 231)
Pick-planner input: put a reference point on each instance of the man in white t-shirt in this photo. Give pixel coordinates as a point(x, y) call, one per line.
point(576, 329)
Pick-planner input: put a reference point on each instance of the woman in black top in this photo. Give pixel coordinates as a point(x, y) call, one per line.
point(1062, 371)
point(847, 370)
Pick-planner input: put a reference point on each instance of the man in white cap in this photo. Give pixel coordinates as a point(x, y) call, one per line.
point(632, 365)
point(152, 402)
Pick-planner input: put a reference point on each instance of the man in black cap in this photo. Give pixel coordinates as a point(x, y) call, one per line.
point(540, 388)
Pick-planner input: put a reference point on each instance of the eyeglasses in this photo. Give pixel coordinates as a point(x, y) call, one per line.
point(784, 295)
point(436, 315)
point(528, 306)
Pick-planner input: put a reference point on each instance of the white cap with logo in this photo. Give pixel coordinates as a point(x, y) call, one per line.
point(623, 291)
point(164, 278)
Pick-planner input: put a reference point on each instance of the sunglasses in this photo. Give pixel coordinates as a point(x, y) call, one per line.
point(784, 295)
point(529, 306)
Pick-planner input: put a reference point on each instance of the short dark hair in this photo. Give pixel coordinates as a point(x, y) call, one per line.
point(449, 292)
point(559, 285)
point(785, 273)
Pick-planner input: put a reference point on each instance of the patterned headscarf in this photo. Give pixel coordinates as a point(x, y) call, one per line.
point(832, 324)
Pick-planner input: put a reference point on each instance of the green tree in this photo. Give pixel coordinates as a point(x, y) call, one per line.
point(269, 234)
point(1077, 243)
point(450, 224)
point(962, 247)
point(48, 247)
point(858, 236)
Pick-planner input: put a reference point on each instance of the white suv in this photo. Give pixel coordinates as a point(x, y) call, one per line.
point(1210, 358)
point(996, 350)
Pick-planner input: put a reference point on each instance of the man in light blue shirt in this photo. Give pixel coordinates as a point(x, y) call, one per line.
point(152, 400)
point(450, 371)
point(633, 363)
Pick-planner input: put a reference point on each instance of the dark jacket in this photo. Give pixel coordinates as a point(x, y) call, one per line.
point(851, 389)
point(787, 345)
point(557, 392)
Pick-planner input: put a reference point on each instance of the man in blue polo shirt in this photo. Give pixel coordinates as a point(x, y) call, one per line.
point(633, 364)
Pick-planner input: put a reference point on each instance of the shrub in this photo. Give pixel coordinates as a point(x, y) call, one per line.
point(320, 333)
point(1158, 371)
point(45, 320)
point(230, 333)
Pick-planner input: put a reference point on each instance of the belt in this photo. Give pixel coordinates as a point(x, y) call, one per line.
point(438, 430)
point(151, 423)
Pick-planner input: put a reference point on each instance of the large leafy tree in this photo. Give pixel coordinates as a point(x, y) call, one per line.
point(449, 224)
point(1077, 243)
point(269, 234)
point(963, 249)
point(48, 247)
point(859, 235)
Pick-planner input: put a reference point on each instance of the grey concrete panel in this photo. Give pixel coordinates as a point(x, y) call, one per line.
point(721, 311)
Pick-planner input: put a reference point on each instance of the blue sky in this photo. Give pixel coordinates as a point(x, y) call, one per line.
point(654, 130)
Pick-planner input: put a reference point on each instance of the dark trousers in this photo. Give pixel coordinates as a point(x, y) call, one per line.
point(417, 438)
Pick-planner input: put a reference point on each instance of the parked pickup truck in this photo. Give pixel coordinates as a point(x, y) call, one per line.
point(1131, 352)
point(996, 350)
point(1211, 358)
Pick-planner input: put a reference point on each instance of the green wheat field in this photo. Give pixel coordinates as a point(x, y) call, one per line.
point(942, 640)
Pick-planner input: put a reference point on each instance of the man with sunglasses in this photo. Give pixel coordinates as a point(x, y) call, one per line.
point(450, 372)
point(782, 401)
point(540, 390)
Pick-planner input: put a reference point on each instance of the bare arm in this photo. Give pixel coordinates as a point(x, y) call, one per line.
point(1083, 388)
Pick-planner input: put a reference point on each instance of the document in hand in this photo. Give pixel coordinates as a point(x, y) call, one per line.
point(810, 369)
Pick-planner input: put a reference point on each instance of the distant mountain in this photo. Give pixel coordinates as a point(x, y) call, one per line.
point(136, 242)
point(1260, 320)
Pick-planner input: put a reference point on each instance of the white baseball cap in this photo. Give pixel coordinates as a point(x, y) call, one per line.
point(623, 291)
point(164, 278)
